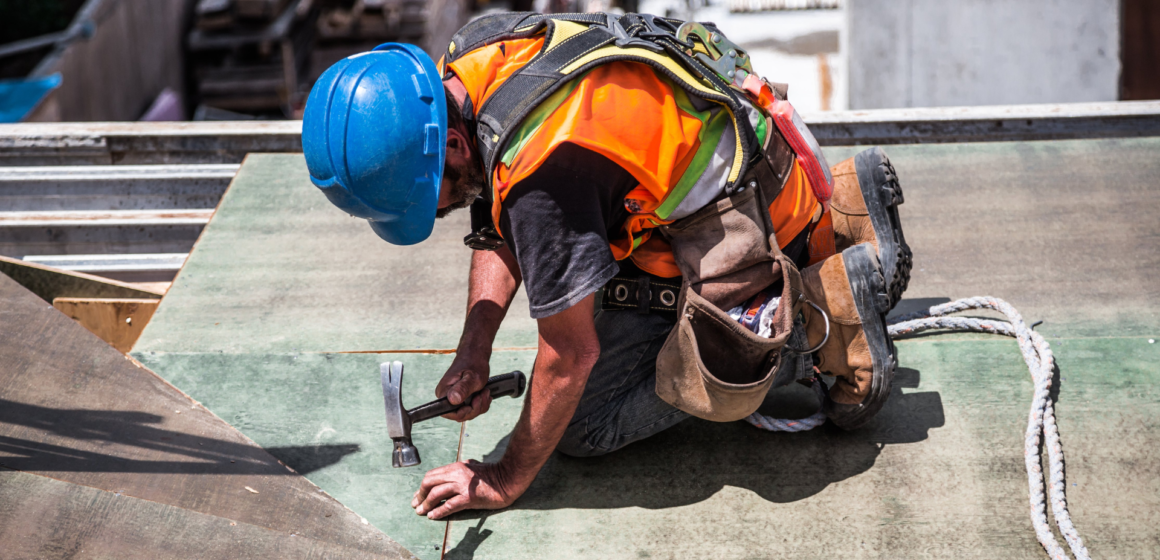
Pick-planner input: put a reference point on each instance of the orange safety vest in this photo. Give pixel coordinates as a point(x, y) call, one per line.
point(624, 111)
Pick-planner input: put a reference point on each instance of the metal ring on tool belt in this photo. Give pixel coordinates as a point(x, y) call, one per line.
point(824, 339)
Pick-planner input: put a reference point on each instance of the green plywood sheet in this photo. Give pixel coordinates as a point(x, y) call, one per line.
point(280, 269)
point(44, 518)
point(294, 401)
point(1067, 231)
point(939, 473)
point(1064, 230)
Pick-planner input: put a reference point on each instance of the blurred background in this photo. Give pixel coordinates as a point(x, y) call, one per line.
point(176, 60)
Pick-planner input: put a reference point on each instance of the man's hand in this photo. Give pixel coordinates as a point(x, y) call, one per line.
point(465, 377)
point(468, 485)
point(567, 351)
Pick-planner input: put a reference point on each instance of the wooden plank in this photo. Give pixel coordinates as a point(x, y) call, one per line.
point(116, 321)
point(49, 519)
point(50, 283)
point(75, 409)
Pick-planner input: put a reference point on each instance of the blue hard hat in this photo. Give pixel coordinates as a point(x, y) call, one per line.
point(375, 134)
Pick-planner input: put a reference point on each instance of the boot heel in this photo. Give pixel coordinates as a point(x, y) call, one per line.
point(882, 193)
point(865, 274)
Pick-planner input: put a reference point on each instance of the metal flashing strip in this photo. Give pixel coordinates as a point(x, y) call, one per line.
point(135, 143)
point(9, 175)
point(113, 187)
point(999, 123)
point(83, 218)
point(96, 264)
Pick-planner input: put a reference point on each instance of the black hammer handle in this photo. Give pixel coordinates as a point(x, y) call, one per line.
point(500, 386)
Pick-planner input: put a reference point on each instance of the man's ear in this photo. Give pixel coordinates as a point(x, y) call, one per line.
point(458, 147)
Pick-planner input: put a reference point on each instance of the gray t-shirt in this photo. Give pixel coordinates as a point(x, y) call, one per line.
point(558, 221)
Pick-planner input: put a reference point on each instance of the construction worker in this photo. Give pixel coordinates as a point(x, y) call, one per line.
point(589, 147)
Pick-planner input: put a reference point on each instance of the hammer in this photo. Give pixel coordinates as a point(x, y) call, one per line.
point(399, 419)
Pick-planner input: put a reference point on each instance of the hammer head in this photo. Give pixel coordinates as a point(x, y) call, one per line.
point(398, 421)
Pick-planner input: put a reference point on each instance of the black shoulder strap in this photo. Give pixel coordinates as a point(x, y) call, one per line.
point(527, 88)
point(531, 85)
point(505, 27)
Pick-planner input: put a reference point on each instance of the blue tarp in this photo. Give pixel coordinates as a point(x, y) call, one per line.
point(20, 97)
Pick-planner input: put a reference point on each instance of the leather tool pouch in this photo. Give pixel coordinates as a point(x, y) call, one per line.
point(710, 366)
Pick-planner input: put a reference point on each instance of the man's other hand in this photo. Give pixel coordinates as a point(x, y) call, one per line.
point(467, 485)
point(465, 377)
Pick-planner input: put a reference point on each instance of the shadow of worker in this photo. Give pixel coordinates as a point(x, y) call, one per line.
point(696, 459)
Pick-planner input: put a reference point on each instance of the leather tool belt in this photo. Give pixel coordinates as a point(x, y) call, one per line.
point(710, 366)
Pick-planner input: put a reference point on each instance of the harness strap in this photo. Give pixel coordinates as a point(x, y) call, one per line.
point(505, 27)
point(529, 87)
point(597, 39)
point(645, 294)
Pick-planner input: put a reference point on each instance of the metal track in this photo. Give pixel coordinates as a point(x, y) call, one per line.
point(132, 223)
point(113, 187)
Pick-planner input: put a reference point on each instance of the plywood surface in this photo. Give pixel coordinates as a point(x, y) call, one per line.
point(45, 518)
point(279, 286)
point(1067, 231)
point(280, 269)
point(937, 474)
point(118, 322)
point(292, 403)
point(74, 409)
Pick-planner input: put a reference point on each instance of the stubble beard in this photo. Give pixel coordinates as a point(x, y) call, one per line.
point(467, 183)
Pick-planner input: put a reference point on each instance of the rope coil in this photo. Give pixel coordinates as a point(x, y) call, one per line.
point(1041, 420)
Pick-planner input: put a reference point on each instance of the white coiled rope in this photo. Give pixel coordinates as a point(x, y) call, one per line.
point(1037, 354)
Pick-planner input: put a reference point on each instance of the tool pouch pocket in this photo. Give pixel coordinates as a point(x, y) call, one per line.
point(710, 366)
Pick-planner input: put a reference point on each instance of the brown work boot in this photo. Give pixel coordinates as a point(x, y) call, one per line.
point(864, 209)
point(849, 289)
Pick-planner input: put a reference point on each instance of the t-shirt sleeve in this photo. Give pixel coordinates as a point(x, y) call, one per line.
point(557, 222)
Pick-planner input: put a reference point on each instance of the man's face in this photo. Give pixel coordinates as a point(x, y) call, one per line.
point(463, 178)
point(462, 184)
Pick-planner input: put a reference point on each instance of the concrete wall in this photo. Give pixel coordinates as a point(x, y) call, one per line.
point(931, 53)
point(135, 53)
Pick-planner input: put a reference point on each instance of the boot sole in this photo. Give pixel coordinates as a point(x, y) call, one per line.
point(869, 289)
point(883, 194)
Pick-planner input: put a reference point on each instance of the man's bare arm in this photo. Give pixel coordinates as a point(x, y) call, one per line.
point(493, 282)
point(568, 349)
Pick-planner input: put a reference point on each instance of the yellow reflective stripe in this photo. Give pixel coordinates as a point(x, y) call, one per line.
point(563, 31)
point(661, 60)
point(735, 171)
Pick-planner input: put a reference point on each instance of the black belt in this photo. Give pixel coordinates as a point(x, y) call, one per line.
point(645, 293)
